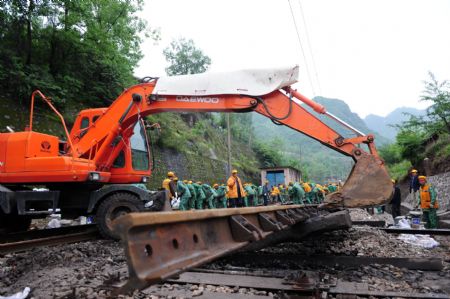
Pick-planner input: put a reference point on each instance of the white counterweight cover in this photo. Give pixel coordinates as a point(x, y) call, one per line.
point(254, 82)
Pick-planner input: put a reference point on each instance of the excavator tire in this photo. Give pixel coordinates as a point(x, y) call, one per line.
point(13, 223)
point(114, 206)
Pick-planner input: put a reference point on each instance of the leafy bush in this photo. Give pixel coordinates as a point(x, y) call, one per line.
point(399, 170)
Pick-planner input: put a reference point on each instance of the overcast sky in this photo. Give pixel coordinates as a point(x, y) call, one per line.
point(372, 54)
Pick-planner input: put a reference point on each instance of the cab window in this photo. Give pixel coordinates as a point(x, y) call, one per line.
point(139, 149)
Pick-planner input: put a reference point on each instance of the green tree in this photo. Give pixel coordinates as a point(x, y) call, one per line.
point(72, 50)
point(185, 58)
point(437, 117)
point(439, 94)
point(411, 145)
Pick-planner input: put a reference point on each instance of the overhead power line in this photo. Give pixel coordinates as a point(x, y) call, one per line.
point(301, 48)
point(308, 42)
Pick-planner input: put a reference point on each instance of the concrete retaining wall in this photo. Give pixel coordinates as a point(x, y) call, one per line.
point(192, 167)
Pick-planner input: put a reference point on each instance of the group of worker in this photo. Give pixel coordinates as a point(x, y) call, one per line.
point(301, 192)
point(424, 196)
point(187, 195)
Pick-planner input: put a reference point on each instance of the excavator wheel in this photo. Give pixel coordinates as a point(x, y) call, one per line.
point(114, 206)
point(13, 223)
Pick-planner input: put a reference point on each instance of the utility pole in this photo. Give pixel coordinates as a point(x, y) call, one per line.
point(229, 143)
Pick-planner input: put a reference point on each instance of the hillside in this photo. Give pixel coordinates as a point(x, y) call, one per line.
point(396, 117)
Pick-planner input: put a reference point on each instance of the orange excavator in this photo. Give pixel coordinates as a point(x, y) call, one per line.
point(94, 170)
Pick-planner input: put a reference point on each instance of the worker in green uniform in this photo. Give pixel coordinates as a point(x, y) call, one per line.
point(320, 193)
point(283, 198)
point(260, 195)
point(200, 199)
point(193, 198)
point(296, 193)
point(256, 196)
point(250, 195)
point(221, 199)
point(428, 203)
point(308, 192)
point(210, 195)
point(183, 193)
point(314, 196)
point(332, 188)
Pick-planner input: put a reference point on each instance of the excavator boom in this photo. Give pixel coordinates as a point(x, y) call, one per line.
point(368, 183)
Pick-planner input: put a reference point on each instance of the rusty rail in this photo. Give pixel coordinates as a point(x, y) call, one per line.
point(161, 245)
point(37, 238)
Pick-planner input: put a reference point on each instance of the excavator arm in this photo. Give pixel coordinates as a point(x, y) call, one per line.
point(368, 183)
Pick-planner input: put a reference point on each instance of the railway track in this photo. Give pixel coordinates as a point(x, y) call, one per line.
point(289, 285)
point(36, 238)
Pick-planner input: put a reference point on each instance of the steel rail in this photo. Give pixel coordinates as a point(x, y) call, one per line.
point(442, 232)
point(161, 245)
point(38, 238)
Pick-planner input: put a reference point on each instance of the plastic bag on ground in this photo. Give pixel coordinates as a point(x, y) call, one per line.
point(404, 223)
point(175, 203)
point(424, 241)
point(54, 223)
point(19, 295)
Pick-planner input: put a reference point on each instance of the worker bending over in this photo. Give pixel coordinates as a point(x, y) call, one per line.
point(210, 194)
point(200, 195)
point(221, 199)
point(193, 198)
point(250, 195)
point(296, 193)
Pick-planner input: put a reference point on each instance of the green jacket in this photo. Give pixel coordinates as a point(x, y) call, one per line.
point(183, 190)
point(220, 192)
point(199, 191)
point(192, 190)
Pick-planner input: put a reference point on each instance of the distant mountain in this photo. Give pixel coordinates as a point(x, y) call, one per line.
point(340, 109)
point(396, 117)
point(318, 160)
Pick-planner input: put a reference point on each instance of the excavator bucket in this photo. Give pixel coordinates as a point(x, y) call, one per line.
point(367, 185)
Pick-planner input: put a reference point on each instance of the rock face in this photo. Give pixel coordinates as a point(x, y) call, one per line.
point(192, 167)
point(441, 183)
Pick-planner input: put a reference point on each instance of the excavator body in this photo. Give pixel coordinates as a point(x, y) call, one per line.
point(95, 169)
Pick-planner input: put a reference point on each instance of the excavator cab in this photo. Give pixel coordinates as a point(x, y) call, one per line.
point(132, 164)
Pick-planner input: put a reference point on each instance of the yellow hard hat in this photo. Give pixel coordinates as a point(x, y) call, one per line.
point(170, 174)
point(234, 171)
point(185, 181)
point(175, 178)
point(393, 181)
point(215, 185)
point(422, 177)
point(190, 182)
point(414, 171)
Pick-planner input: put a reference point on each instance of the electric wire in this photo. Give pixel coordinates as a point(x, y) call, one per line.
point(301, 48)
point(308, 42)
